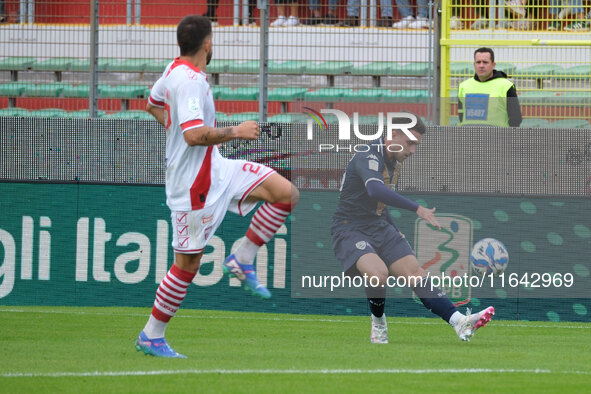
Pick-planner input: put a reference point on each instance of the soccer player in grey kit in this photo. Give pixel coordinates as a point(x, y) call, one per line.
point(367, 241)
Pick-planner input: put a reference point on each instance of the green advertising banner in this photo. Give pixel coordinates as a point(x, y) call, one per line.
point(105, 245)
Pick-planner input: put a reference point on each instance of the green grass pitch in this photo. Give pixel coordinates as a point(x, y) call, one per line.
point(80, 350)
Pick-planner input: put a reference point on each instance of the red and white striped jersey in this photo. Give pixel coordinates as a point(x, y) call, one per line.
point(192, 172)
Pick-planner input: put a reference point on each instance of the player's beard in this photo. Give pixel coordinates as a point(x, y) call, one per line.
point(209, 56)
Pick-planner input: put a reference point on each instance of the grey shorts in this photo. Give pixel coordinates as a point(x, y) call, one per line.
point(350, 242)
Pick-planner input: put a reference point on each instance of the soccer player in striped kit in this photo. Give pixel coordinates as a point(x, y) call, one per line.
point(201, 185)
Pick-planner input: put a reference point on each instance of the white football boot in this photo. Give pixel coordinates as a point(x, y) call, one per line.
point(379, 329)
point(469, 323)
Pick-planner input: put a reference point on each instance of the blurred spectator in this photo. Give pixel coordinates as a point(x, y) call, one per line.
point(2, 12)
point(455, 23)
point(514, 8)
point(316, 19)
point(481, 10)
point(560, 9)
point(285, 8)
point(408, 21)
point(353, 13)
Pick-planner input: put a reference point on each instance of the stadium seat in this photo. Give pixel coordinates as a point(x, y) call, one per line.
point(222, 117)
point(570, 124)
point(76, 91)
point(239, 94)
point(80, 65)
point(218, 66)
point(405, 96)
point(329, 68)
point(373, 68)
point(325, 94)
point(575, 98)
point(13, 89)
point(538, 71)
point(85, 114)
point(84, 64)
point(461, 69)
point(157, 66)
point(14, 112)
point(17, 63)
point(538, 97)
point(364, 95)
point(44, 90)
point(578, 72)
point(535, 123)
point(248, 67)
point(122, 91)
point(127, 65)
point(418, 69)
point(507, 68)
point(218, 91)
point(54, 64)
point(286, 94)
point(49, 113)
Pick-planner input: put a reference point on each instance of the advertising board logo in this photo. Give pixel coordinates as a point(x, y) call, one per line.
point(446, 252)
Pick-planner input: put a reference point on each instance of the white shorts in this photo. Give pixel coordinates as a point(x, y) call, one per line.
point(192, 230)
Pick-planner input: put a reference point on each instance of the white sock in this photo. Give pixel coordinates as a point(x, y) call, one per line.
point(246, 251)
point(455, 318)
point(155, 328)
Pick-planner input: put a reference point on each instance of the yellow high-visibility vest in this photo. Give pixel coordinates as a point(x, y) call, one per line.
point(485, 102)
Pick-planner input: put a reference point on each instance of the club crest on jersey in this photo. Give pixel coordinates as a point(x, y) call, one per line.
point(361, 245)
point(373, 165)
point(193, 104)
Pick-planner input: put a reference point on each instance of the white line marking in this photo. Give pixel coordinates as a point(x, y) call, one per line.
point(279, 372)
point(391, 320)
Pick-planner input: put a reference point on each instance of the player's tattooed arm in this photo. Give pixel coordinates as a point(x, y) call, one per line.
point(206, 136)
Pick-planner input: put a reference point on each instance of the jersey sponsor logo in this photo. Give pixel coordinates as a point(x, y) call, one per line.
point(194, 104)
point(207, 219)
point(361, 245)
point(373, 165)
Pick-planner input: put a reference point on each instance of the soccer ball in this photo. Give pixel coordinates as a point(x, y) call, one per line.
point(489, 256)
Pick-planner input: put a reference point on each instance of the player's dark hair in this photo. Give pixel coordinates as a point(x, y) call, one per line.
point(191, 33)
point(419, 127)
point(486, 50)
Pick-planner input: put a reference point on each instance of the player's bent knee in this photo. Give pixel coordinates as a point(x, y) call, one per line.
point(294, 196)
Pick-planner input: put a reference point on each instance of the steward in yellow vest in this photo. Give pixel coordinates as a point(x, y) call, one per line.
point(488, 98)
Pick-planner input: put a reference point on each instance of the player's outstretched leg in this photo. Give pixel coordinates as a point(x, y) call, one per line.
point(156, 347)
point(468, 324)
